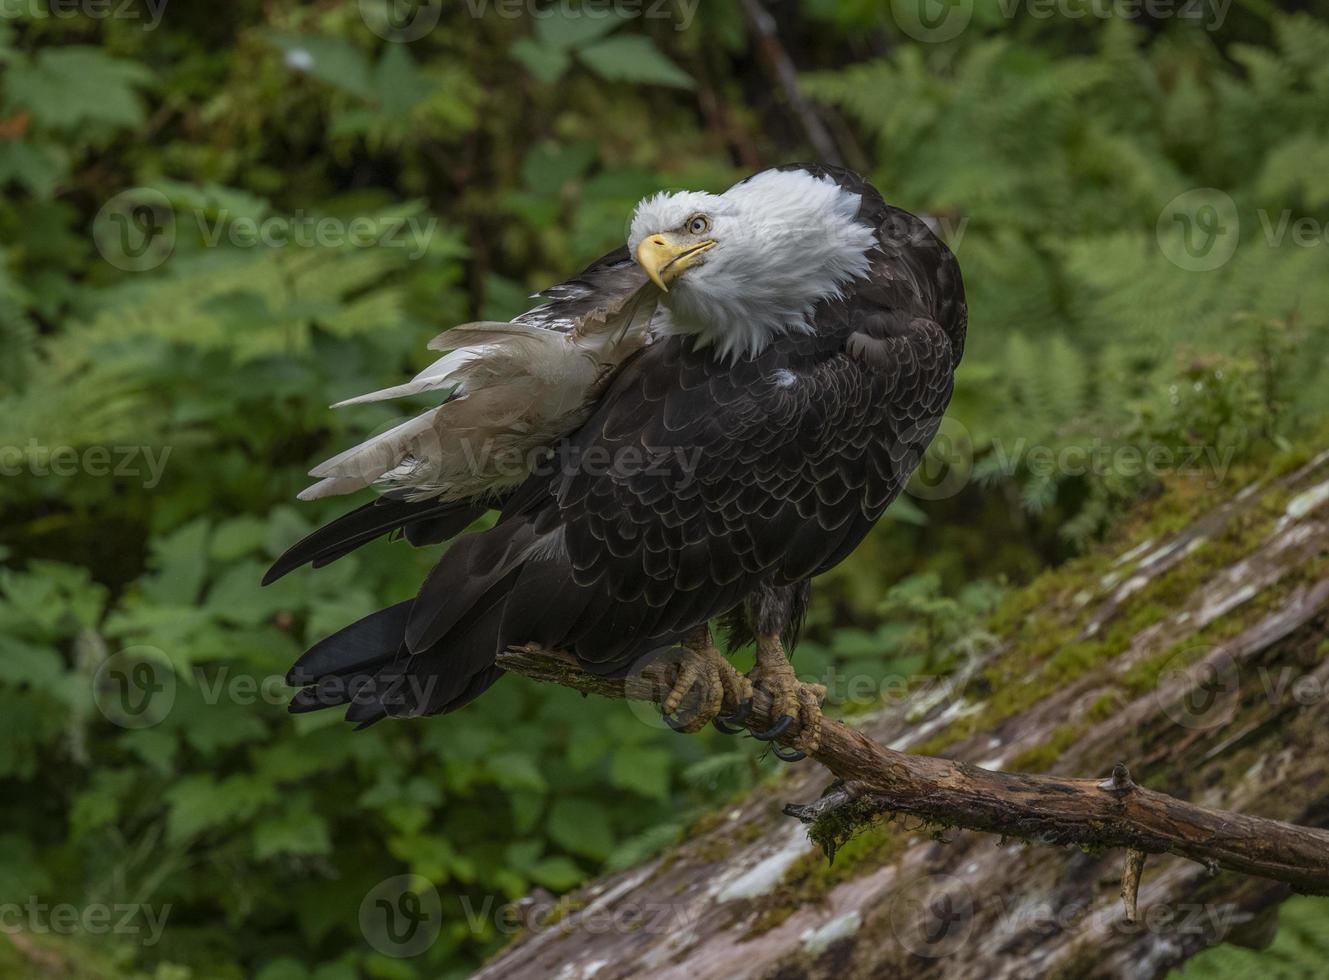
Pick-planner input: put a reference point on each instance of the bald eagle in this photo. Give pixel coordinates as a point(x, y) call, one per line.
point(692, 429)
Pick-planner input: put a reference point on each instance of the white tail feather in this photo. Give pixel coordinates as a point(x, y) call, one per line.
point(374, 457)
point(440, 374)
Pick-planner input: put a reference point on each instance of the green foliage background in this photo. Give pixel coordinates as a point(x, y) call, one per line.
point(495, 154)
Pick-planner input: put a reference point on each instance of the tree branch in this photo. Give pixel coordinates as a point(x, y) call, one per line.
point(1091, 813)
point(763, 25)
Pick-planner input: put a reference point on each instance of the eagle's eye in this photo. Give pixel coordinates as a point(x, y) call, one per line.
point(698, 224)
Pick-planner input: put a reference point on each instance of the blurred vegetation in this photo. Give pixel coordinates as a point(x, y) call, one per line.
point(483, 159)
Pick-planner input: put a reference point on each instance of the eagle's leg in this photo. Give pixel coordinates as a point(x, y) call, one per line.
point(792, 701)
point(719, 686)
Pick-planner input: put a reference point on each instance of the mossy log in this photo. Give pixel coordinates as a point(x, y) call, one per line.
point(1185, 671)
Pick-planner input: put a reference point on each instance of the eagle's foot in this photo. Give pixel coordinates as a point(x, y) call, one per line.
point(793, 703)
point(720, 689)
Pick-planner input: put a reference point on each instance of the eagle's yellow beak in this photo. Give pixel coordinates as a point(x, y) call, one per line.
point(665, 260)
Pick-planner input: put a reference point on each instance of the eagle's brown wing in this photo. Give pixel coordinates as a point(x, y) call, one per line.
point(692, 482)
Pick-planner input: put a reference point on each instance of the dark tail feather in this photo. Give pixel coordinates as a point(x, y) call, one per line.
point(353, 649)
point(437, 652)
point(367, 666)
point(435, 520)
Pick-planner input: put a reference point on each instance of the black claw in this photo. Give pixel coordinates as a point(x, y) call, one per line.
point(732, 724)
point(679, 725)
point(776, 730)
point(790, 755)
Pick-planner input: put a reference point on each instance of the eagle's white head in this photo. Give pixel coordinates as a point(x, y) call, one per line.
point(741, 268)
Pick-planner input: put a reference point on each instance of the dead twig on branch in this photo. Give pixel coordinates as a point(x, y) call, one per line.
point(763, 26)
point(1091, 813)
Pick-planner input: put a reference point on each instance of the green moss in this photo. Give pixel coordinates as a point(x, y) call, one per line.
point(858, 840)
point(1042, 627)
point(1042, 757)
point(564, 907)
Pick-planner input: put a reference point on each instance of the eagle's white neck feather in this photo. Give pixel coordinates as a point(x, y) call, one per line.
point(785, 240)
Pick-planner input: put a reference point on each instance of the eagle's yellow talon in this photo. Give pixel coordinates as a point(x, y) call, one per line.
point(790, 697)
point(720, 688)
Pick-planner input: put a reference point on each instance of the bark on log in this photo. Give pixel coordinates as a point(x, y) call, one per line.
point(1199, 659)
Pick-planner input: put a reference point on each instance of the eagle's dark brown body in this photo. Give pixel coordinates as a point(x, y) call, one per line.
point(694, 484)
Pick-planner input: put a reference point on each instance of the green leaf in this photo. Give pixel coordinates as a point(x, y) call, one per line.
point(333, 60)
point(181, 565)
point(549, 166)
point(238, 537)
point(580, 825)
point(71, 86)
point(217, 723)
point(645, 771)
point(633, 58)
point(516, 770)
point(199, 803)
point(40, 168)
point(904, 510)
point(546, 64)
point(285, 968)
point(561, 26)
point(398, 83)
point(27, 663)
point(556, 873)
point(21, 873)
point(292, 832)
point(154, 746)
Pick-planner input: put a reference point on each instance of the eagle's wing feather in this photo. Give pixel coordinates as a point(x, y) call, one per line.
point(666, 512)
point(595, 296)
point(693, 481)
point(798, 458)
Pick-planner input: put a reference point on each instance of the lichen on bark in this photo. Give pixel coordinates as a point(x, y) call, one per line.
point(1189, 649)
